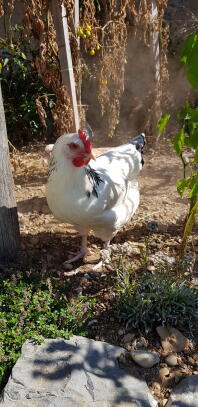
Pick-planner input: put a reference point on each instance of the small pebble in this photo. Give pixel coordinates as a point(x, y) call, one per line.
point(171, 360)
point(191, 360)
point(67, 266)
point(78, 291)
point(92, 322)
point(156, 386)
point(128, 338)
point(163, 372)
point(87, 276)
point(145, 359)
point(151, 268)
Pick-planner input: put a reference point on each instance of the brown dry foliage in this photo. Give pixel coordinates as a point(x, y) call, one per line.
point(111, 35)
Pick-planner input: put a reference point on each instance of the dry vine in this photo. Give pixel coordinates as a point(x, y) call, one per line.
point(108, 38)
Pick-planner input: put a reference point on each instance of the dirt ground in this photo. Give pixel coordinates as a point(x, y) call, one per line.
point(47, 243)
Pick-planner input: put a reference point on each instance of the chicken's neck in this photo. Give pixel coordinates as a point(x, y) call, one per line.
point(83, 178)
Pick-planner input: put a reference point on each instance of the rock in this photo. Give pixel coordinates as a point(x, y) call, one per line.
point(144, 358)
point(127, 338)
point(141, 343)
point(160, 258)
point(185, 394)
point(87, 276)
point(187, 263)
point(164, 372)
point(171, 360)
point(151, 268)
point(135, 250)
point(78, 291)
point(79, 372)
point(67, 266)
point(195, 281)
point(91, 323)
point(172, 340)
point(152, 226)
point(191, 360)
point(156, 389)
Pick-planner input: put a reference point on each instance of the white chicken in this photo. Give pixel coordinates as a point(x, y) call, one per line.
point(99, 196)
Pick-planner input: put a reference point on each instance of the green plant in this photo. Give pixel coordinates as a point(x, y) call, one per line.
point(187, 139)
point(21, 86)
point(145, 301)
point(35, 306)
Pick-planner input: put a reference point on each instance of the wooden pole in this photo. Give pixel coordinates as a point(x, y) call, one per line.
point(64, 50)
point(9, 225)
point(156, 65)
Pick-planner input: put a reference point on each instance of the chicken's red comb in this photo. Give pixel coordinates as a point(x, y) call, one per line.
point(84, 136)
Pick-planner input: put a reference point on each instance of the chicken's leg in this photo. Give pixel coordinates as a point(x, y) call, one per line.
point(83, 251)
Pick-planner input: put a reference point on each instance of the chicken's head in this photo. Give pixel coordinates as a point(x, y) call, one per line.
point(76, 147)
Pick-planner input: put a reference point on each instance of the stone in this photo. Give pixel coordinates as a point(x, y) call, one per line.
point(79, 372)
point(141, 343)
point(171, 360)
point(152, 226)
point(127, 338)
point(160, 258)
point(172, 340)
point(78, 291)
point(91, 323)
point(151, 268)
point(164, 372)
point(67, 266)
point(185, 394)
point(144, 358)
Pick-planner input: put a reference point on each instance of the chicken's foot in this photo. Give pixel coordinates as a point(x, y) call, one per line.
point(82, 253)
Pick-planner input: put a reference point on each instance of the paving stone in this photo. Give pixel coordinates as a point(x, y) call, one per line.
point(185, 394)
point(79, 372)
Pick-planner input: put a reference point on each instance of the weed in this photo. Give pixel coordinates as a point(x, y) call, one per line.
point(34, 306)
point(145, 301)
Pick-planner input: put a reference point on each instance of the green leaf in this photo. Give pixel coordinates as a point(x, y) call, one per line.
point(162, 123)
point(196, 155)
point(182, 185)
point(178, 141)
point(23, 55)
point(190, 58)
point(188, 48)
point(193, 138)
point(194, 186)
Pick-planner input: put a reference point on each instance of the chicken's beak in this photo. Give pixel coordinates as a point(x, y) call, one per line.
point(92, 156)
point(89, 156)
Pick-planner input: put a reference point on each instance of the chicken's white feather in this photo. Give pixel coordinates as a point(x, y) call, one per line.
point(100, 197)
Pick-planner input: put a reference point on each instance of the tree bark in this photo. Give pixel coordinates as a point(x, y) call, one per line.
point(9, 225)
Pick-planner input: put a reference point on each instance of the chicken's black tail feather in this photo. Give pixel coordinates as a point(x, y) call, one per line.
point(139, 142)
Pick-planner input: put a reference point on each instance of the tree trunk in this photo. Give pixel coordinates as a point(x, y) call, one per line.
point(9, 226)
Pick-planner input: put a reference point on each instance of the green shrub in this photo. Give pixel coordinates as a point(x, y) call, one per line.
point(21, 85)
point(35, 306)
point(153, 300)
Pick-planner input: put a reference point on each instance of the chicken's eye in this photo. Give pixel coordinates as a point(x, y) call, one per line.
point(73, 146)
